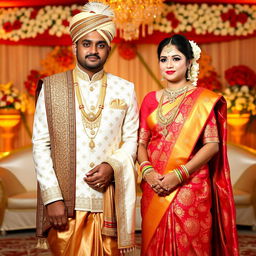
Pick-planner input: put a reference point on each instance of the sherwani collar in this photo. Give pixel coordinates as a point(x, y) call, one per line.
point(84, 76)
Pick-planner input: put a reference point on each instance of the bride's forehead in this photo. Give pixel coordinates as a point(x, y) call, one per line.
point(170, 50)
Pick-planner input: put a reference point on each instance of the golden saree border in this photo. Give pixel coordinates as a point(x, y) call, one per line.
point(60, 110)
point(181, 151)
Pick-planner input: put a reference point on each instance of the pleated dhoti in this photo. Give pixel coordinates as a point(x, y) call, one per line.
point(83, 237)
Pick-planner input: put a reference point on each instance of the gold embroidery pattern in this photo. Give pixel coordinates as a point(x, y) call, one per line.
point(92, 204)
point(186, 197)
point(192, 226)
point(201, 208)
point(184, 242)
point(179, 211)
point(61, 121)
point(211, 132)
point(50, 193)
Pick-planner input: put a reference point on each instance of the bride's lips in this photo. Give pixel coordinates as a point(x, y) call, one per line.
point(169, 72)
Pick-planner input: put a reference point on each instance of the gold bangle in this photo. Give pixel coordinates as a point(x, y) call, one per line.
point(178, 174)
point(147, 172)
point(185, 170)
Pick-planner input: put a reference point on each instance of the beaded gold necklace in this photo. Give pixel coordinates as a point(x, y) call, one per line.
point(91, 120)
point(164, 120)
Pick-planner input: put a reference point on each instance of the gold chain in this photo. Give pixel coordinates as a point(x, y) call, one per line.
point(162, 119)
point(91, 120)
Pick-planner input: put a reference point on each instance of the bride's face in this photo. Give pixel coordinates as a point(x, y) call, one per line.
point(173, 64)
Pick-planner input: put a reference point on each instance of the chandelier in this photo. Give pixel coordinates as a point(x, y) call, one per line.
point(135, 16)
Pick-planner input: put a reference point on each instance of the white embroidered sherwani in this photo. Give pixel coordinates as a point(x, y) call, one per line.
point(119, 123)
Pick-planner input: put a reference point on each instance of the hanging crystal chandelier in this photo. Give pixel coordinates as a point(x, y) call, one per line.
point(135, 16)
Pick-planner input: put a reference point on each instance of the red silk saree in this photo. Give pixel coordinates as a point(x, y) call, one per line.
point(198, 218)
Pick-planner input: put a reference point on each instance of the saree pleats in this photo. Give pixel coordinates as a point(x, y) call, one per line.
point(83, 237)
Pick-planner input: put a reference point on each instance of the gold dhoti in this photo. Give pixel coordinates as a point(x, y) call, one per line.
point(83, 237)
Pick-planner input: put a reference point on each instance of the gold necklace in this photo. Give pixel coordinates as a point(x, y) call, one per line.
point(163, 120)
point(91, 120)
point(173, 94)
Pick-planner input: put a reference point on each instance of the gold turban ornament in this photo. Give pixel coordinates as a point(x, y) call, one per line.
point(94, 16)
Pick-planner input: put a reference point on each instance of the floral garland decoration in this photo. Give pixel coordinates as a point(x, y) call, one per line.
point(240, 93)
point(194, 69)
point(11, 98)
point(202, 19)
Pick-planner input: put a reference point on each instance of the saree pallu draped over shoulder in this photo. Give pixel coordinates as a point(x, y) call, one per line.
point(167, 153)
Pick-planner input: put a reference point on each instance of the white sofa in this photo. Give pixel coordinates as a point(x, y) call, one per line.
point(18, 189)
point(242, 163)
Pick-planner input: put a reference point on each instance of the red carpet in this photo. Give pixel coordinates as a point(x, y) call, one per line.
point(25, 246)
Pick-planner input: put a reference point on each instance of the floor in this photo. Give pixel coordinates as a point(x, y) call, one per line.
point(19, 234)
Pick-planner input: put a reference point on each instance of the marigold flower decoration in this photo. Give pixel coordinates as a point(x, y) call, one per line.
point(241, 90)
point(208, 77)
point(60, 59)
point(11, 98)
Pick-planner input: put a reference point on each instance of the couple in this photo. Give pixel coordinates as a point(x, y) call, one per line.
point(86, 204)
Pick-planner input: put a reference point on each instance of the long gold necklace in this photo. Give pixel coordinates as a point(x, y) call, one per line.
point(91, 120)
point(164, 120)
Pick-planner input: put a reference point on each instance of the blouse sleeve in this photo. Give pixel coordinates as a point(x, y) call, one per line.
point(144, 131)
point(210, 133)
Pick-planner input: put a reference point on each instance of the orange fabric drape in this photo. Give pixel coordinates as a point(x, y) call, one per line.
point(16, 61)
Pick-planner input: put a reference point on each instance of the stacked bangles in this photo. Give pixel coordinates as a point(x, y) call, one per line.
point(182, 173)
point(145, 167)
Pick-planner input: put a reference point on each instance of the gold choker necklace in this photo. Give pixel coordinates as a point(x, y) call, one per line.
point(91, 120)
point(173, 94)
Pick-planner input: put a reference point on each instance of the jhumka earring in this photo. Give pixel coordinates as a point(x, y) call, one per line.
point(189, 74)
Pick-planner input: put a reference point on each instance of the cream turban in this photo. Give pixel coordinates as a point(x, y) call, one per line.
point(94, 16)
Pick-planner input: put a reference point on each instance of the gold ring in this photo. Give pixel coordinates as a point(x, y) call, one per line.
point(98, 185)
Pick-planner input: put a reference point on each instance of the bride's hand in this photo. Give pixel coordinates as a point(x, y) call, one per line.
point(169, 183)
point(153, 178)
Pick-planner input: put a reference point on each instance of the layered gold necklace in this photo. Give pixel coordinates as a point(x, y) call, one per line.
point(165, 120)
point(91, 121)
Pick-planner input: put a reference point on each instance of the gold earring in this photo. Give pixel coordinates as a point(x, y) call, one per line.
point(189, 74)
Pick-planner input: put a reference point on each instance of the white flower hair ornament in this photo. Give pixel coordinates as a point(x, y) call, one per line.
point(194, 69)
